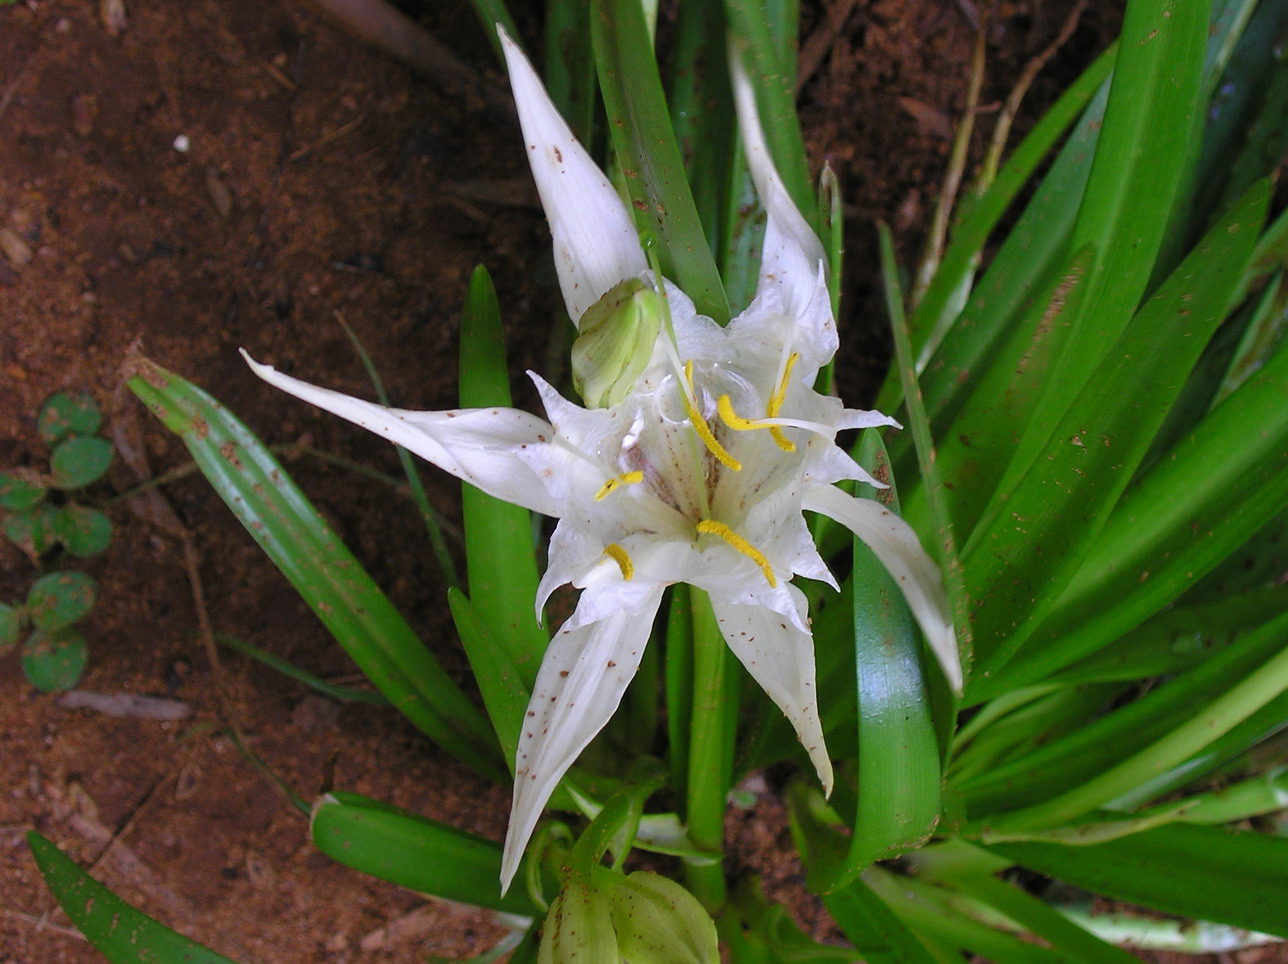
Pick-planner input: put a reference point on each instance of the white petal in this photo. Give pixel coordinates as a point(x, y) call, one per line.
point(779, 657)
point(792, 254)
point(897, 546)
point(596, 244)
point(477, 445)
point(579, 686)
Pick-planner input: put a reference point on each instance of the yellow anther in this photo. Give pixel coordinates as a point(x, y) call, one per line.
point(615, 483)
point(776, 404)
point(619, 556)
point(700, 424)
point(740, 424)
point(780, 393)
point(711, 527)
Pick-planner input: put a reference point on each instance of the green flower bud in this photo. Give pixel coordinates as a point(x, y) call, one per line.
point(616, 342)
point(659, 922)
point(579, 925)
point(605, 918)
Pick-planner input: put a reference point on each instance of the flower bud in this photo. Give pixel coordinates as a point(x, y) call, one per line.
point(605, 918)
point(617, 336)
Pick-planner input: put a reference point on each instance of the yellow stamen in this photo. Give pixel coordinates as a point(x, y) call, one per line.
point(619, 556)
point(776, 403)
point(613, 484)
point(780, 393)
point(740, 424)
point(711, 527)
point(700, 425)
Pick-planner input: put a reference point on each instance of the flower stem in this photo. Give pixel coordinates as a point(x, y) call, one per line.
point(712, 728)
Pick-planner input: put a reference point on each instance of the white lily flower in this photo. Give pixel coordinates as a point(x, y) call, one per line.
point(699, 474)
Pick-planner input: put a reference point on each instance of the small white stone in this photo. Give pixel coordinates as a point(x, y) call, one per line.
point(182, 144)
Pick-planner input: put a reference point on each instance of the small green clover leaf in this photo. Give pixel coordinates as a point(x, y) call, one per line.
point(65, 414)
point(20, 489)
point(84, 531)
point(32, 530)
point(54, 661)
point(79, 460)
point(59, 599)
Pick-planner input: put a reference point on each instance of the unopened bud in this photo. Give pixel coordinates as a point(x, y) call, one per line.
point(617, 336)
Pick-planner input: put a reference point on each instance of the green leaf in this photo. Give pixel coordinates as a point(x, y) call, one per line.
point(898, 753)
point(59, 599)
point(1041, 524)
point(1032, 256)
point(645, 142)
point(505, 694)
point(428, 516)
point(1197, 506)
point(415, 852)
point(84, 531)
point(20, 489)
point(499, 550)
point(54, 661)
point(32, 530)
point(945, 540)
point(570, 67)
point(301, 544)
point(932, 317)
point(346, 694)
point(1117, 753)
point(1207, 873)
point(955, 920)
point(10, 626)
point(702, 113)
point(1138, 168)
point(67, 413)
point(1024, 909)
point(121, 933)
point(771, 68)
point(78, 461)
point(876, 931)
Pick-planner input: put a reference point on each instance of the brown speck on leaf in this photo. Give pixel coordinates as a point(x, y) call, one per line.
point(229, 451)
point(200, 427)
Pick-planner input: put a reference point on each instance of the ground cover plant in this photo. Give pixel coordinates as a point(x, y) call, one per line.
point(1093, 459)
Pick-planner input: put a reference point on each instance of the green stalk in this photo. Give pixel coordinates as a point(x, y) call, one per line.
point(711, 734)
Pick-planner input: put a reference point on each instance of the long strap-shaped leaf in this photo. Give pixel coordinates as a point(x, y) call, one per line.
point(646, 147)
point(320, 567)
point(1195, 508)
point(121, 933)
point(414, 851)
point(1208, 873)
point(499, 549)
point(1158, 76)
point(1021, 555)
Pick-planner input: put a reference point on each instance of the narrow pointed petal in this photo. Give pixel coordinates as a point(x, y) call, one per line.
point(899, 550)
point(596, 244)
point(780, 658)
point(582, 678)
point(793, 255)
point(478, 446)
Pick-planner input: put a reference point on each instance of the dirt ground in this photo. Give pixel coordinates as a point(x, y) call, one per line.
point(317, 179)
